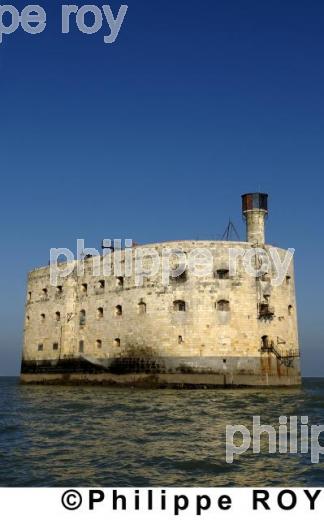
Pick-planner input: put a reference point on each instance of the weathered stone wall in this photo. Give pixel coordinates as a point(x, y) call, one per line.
point(255, 226)
point(149, 325)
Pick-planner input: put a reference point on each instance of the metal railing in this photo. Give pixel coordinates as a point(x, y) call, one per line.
point(284, 356)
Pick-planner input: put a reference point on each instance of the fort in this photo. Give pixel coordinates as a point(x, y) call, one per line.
point(217, 330)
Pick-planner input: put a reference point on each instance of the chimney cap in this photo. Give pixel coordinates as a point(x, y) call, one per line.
point(251, 201)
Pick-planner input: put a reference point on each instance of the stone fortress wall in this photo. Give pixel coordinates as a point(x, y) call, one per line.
point(218, 329)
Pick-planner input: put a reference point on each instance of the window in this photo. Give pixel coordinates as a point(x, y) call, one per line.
point(120, 281)
point(142, 308)
point(59, 289)
point(58, 316)
point(179, 305)
point(101, 284)
point(222, 274)
point(27, 319)
point(118, 310)
point(43, 317)
point(55, 346)
point(82, 317)
point(40, 347)
point(45, 292)
point(29, 296)
point(181, 278)
point(84, 288)
point(223, 305)
point(81, 346)
point(99, 343)
point(288, 279)
point(116, 342)
point(265, 342)
point(100, 312)
point(180, 340)
point(266, 311)
point(290, 310)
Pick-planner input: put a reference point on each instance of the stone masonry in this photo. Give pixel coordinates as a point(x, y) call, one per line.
point(216, 330)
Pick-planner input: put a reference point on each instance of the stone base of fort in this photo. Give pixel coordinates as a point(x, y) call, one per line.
point(189, 372)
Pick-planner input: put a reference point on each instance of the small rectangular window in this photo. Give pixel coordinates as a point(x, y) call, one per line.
point(118, 310)
point(223, 274)
point(120, 281)
point(81, 346)
point(55, 346)
point(82, 318)
point(40, 347)
point(266, 311)
point(179, 305)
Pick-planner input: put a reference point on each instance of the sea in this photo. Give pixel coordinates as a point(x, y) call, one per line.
point(93, 436)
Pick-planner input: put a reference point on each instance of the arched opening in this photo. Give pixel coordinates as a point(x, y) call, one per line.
point(290, 310)
point(120, 281)
point(142, 308)
point(179, 305)
point(180, 340)
point(82, 317)
point(100, 313)
point(118, 310)
point(117, 342)
point(223, 305)
point(265, 342)
point(58, 316)
point(99, 344)
point(84, 288)
point(43, 317)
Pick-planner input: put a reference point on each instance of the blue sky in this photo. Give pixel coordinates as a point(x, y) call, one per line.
point(156, 136)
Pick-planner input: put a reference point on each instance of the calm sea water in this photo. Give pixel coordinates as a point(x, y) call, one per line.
point(99, 436)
